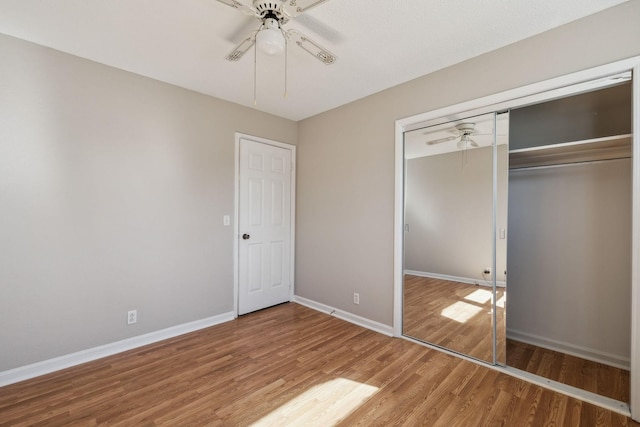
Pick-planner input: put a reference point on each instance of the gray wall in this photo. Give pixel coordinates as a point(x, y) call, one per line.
point(112, 193)
point(589, 115)
point(345, 199)
point(569, 256)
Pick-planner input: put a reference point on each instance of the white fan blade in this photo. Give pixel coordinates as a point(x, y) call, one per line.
point(294, 8)
point(242, 48)
point(316, 26)
point(438, 129)
point(441, 140)
point(322, 54)
point(241, 31)
point(247, 10)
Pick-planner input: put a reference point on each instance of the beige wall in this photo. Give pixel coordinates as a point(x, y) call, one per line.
point(449, 214)
point(346, 156)
point(112, 193)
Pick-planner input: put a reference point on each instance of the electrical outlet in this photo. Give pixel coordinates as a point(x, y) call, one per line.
point(487, 270)
point(356, 298)
point(132, 317)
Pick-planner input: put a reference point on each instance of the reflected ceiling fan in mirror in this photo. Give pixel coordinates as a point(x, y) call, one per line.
point(463, 132)
point(270, 37)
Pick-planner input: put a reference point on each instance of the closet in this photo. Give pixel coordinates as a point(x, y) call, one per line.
point(569, 244)
point(515, 238)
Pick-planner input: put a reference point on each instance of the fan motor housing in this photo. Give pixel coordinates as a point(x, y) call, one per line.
point(270, 7)
point(466, 128)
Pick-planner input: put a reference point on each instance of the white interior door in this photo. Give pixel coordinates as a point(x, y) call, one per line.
point(264, 226)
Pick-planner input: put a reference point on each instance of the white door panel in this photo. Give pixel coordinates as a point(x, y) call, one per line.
point(264, 225)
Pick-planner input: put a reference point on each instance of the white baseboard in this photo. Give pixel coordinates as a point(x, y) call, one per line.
point(51, 365)
point(468, 280)
point(571, 349)
point(345, 315)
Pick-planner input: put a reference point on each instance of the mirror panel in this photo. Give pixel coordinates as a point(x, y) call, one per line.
point(450, 297)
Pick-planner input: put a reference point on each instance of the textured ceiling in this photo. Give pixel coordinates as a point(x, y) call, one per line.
point(379, 43)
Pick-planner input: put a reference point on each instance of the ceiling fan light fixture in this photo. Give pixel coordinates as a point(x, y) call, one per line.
point(463, 144)
point(270, 39)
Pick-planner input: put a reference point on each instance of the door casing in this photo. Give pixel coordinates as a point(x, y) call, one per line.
point(236, 215)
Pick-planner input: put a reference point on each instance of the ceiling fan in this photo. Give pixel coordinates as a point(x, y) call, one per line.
point(462, 131)
point(270, 37)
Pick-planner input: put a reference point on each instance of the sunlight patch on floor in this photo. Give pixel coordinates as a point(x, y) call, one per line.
point(322, 405)
point(461, 311)
point(480, 296)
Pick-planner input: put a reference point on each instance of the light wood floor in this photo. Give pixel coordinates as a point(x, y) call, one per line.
point(286, 366)
point(453, 315)
point(426, 298)
point(577, 372)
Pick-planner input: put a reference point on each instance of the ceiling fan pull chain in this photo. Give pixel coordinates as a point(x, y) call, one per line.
point(255, 73)
point(286, 62)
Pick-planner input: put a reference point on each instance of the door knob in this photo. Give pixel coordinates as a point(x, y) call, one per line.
point(245, 236)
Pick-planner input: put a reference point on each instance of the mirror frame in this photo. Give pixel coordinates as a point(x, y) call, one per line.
point(554, 88)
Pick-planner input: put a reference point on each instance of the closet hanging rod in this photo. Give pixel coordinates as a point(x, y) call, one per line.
point(573, 143)
point(576, 163)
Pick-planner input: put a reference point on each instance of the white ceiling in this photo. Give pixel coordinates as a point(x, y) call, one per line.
point(379, 43)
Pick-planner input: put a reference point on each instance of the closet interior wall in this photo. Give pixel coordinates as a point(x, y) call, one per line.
point(569, 243)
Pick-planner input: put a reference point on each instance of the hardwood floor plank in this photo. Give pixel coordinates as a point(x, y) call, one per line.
point(288, 365)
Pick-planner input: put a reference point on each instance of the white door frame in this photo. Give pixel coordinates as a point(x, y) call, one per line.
point(236, 214)
point(527, 95)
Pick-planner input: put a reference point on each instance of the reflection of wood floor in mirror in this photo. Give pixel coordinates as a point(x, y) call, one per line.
point(452, 315)
point(574, 371)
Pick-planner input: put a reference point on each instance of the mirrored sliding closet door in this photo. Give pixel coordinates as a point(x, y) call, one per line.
point(455, 218)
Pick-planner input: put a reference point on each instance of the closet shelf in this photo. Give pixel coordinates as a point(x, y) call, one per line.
point(588, 150)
